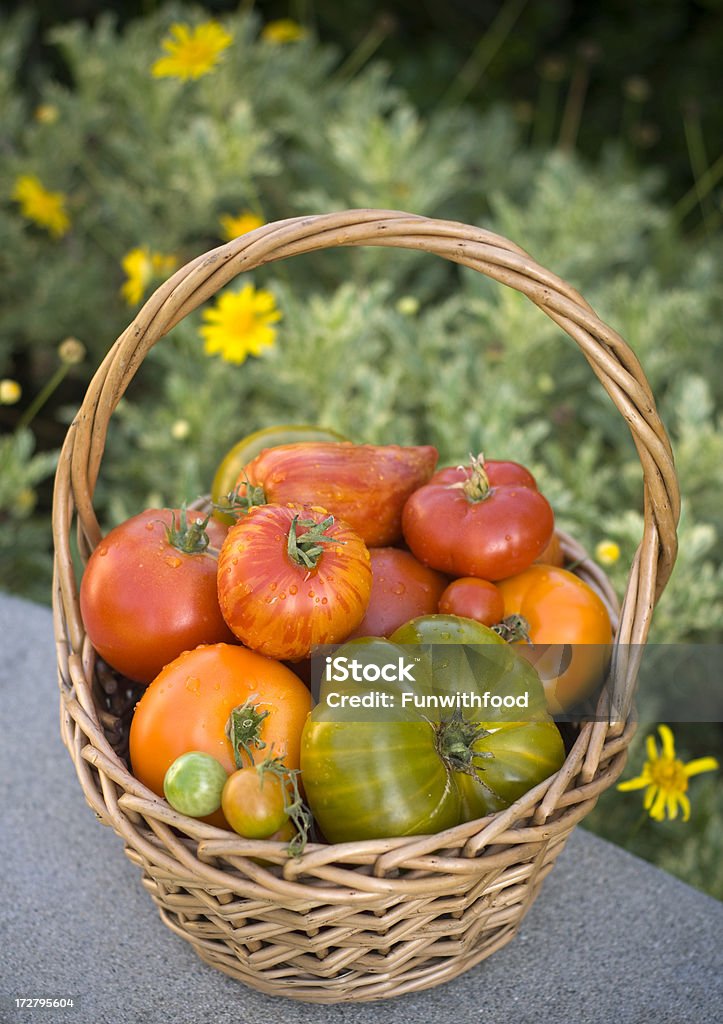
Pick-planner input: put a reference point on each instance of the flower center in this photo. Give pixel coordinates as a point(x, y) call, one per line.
point(669, 775)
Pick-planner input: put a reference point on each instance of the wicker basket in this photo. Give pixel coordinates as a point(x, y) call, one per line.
point(372, 919)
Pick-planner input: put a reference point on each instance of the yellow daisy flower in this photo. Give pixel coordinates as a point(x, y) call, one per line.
point(665, 778)
point(141, 266)
point(284, 30)
point(607, 552)
point(44, 208)
point(192, 52)
point(239, 225)
point(240, 324)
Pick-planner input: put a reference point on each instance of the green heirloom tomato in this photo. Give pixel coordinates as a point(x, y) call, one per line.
point(193, 784)
point(413, 756)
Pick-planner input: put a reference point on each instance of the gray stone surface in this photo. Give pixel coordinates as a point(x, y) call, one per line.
point(609, 939)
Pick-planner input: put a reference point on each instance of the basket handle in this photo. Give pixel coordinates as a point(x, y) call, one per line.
point(610, 358)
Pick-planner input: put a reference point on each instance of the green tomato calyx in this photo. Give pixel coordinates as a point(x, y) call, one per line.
point(455, 742)
point(306, 549)
point(513, 627)
point(189, 537)
point(476, 487)
point(242, 499)
point(243, 731)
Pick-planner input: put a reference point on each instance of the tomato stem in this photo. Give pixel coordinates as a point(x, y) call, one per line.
point(476, 487)
point(294, 806)
point(242, 499)
point(455, 741)
point(513, 627)
point(306, 549)
point(243, 730)
point(191, 538)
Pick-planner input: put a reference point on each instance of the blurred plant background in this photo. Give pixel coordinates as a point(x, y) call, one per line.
point(587, 138)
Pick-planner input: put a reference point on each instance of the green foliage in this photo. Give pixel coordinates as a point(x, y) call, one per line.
point(380, 344)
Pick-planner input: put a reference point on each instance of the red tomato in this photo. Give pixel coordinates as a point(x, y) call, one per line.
point(568, 626)
point(188, 705)
point(473, 598)
point(290, 577)
point(487, 520)
point(402, 589)
point(149, 592)
point(365, 485)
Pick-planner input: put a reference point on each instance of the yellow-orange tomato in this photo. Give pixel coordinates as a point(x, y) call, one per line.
point(569, 626)
point(188, 705)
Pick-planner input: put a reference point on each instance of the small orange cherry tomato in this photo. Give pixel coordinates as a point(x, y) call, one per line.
point(558, 608)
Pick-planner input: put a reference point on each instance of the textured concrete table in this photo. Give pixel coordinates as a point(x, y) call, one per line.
point(610, 939)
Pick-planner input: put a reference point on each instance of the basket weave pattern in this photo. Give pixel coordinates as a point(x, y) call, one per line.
point(377, 918)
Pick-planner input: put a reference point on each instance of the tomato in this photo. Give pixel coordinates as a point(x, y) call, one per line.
point(487, 519)
point(291, 577)
point(233, 462)
point(194, 783)
point(402, 589)
point(149, 592)
point(553, 553)
point(377, 772)
point(569, 626)
point(189, 704)
point(365, 485)
point(254, 803)
point(473, 598)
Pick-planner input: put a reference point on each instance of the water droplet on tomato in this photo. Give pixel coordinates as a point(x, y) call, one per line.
point(102, 552)
point(150, 526)
point(173, 561)
point(293, 589)
point(193, 684)
point(325, 600)
point(311, 593)
point(399, 588)
point(272, 586)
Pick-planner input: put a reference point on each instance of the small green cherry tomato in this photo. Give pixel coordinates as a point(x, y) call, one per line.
point(254, 802)
point(194, 783)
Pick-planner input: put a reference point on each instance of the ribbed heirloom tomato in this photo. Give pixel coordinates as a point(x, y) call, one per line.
point(290, 577)
point(405, 768)
point(365, 485)
point(189, 705)
point(244, 451)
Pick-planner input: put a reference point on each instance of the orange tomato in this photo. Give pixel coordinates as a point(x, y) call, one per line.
point(552, 555)
point(188, 705)
point(569, 626)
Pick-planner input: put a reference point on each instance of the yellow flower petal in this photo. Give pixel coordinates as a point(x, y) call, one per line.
point(638, 783)
point(240, 225)
point(657, 811)
point(651, 748)
point(685, 804)
point(283, 30)
point(37, 204)
point(668, 742)
point(191, 53)
point(701, 764)
point(240, 324)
